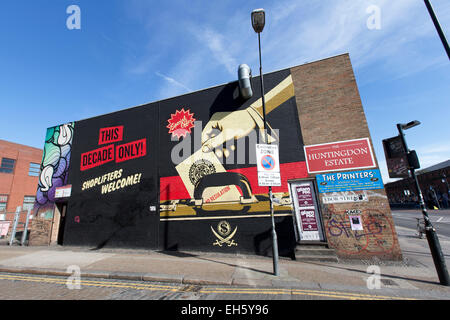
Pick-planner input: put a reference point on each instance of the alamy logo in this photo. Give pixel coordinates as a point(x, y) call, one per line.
point(74, 20)
point(373, 281)
point(74, 280)
point(374, 20)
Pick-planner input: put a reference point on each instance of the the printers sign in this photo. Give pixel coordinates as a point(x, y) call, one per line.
point(349, 181)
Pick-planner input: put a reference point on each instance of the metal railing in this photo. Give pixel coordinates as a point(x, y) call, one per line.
point(13, 223)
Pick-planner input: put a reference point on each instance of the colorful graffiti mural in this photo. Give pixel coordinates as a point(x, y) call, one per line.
point(54, 167)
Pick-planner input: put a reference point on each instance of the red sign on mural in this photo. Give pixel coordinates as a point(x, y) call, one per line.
point(97, 157)
point(110, 134)
point(180, 123)
point(339, 156)
point(131, 150)
point(120, 153)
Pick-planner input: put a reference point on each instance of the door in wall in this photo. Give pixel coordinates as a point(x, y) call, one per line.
point(308, 222)
point(62, 222)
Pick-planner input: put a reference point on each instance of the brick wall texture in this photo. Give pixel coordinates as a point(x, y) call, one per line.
point(18, 184)
point(330, 110)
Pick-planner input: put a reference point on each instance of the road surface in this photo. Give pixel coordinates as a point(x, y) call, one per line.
point(439, 218)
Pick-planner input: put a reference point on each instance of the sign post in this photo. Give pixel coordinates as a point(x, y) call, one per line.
point(269, 175)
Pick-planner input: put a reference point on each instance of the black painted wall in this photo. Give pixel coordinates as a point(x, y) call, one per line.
point(123, 218)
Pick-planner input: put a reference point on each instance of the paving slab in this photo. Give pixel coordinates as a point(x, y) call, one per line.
point(54, 259)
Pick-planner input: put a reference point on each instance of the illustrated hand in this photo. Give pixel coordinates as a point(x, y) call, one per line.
point(226, 126)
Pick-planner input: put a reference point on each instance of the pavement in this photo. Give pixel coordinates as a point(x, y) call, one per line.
point(414, 277)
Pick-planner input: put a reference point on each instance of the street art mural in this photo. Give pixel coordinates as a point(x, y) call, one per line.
point(209, 193)
point(181, 173)
point(54, 167)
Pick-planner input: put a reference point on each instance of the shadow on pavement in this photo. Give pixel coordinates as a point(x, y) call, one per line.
point(385, 275)
point(179, 254)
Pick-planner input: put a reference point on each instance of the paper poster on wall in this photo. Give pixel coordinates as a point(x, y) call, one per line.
point(356, 223)
point(307, 209)
point(309, 222)
point(4, 227)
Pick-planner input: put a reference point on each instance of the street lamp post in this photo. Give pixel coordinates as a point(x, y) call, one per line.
point(438, 27)
point(430, 231)
point(258, 22)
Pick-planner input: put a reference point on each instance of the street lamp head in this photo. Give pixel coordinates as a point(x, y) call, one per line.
point(258, 20)
point(409, 125)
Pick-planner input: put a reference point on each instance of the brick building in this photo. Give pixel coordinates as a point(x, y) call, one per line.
point(434, 184)
point(19, 171)
point(181, 173)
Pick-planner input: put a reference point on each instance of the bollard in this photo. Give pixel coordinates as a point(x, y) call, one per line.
point(25, 230)
point(16, 221)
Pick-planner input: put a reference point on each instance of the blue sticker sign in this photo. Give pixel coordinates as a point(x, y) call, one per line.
point(268, 162)
point(349, 181)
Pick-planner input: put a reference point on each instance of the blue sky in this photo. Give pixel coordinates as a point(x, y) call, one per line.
point(133, 52)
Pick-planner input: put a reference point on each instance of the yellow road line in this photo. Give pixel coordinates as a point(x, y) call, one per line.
point(337, 295)
point(153, 287)
point(94, 284)
point(300, 291)
point(83, 281)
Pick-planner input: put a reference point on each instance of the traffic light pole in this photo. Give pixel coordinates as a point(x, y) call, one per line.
point(430, 231)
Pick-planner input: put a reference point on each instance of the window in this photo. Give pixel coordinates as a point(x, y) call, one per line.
point(34, 169)
point(3, 202)
point(28, 202)
point(7, 165)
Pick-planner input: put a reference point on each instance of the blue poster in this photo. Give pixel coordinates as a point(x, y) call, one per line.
point(349, 181)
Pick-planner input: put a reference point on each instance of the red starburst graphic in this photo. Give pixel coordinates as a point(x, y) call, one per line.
point(180, 123)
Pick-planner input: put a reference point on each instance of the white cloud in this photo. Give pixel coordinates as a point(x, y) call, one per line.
point(298, 32)
point(430, 155)
point(218, 45)
point(206, 51)
point(435, 149)
point(173, 81)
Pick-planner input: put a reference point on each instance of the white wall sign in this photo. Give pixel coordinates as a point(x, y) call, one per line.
point(268, 164)
point(63, 192)
point(344, 197)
